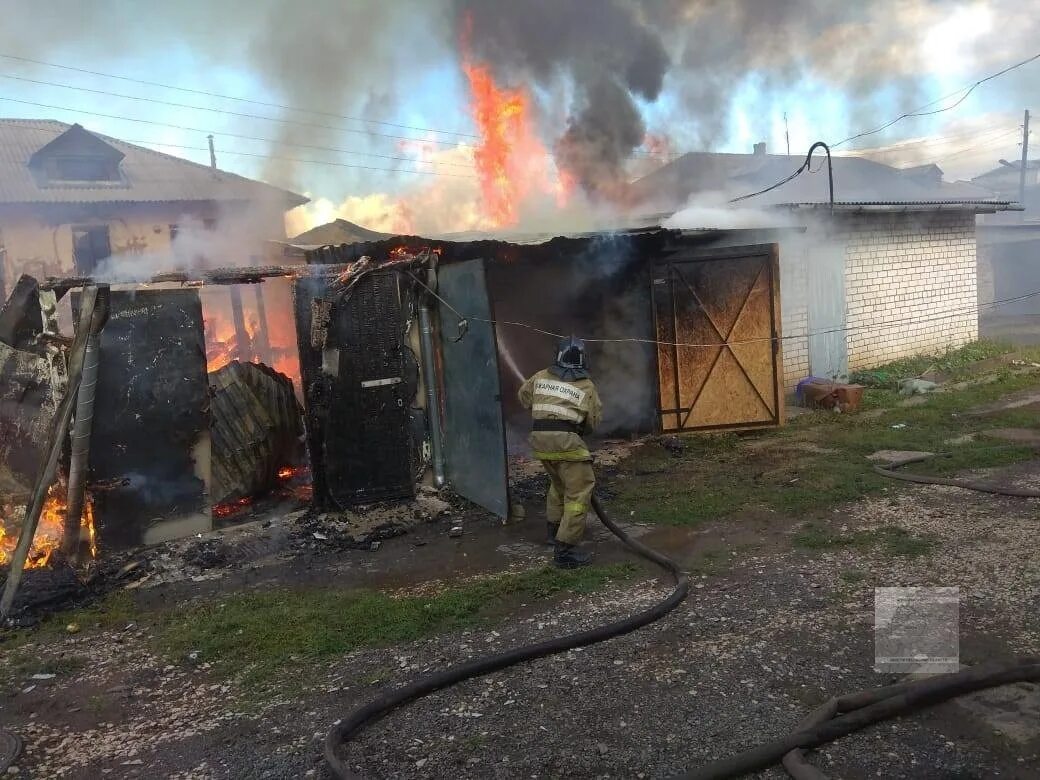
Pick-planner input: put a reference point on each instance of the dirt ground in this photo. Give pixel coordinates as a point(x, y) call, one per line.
point(781, 617)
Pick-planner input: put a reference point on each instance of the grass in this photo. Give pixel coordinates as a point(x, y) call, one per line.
point(889, 540)
point(819, 460)
point(19, 666)
point(263, 634)
point(953, 364)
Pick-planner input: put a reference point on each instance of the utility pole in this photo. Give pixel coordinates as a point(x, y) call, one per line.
point(787, 134)
point(1025, 161)
point(213, 153)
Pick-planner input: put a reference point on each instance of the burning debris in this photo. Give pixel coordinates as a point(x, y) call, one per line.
point(255, 430)
point(50, 533)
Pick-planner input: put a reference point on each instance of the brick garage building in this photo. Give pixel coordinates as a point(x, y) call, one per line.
point(870, 283)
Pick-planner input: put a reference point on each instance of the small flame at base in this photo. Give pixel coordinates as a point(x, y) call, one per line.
point(49, 531)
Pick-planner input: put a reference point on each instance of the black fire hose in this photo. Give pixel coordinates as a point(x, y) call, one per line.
point(867, 708)
point(352, 724)
point(965, 484)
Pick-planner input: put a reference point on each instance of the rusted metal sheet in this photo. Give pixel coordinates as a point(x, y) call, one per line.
point(717, 318)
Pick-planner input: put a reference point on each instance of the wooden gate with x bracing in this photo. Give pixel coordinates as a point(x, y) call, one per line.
point(717, 319)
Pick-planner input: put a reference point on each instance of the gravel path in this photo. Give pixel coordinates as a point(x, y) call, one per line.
point(748, 655)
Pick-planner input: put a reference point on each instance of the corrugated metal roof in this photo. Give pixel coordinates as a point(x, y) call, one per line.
point(987, 206)
point(147, 176)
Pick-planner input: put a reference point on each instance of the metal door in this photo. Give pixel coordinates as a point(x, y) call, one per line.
point(474, 431)
point(717, 318)
point(828, 350)
point(359, 379)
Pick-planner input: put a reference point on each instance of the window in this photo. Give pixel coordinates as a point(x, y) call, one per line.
point(90, 246)
point(83, 169)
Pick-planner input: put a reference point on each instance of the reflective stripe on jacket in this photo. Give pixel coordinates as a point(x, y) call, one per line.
point(551, 398)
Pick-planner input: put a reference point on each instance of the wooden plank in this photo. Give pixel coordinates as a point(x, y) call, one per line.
point(721, 298)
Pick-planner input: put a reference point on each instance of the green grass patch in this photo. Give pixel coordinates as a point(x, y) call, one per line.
point(889, 539)
point(19, 666)
point(264, 633)
point(819, 460)
point(853, 576)
point(954, 364)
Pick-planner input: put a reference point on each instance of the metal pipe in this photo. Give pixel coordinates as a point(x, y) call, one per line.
point(429, 369)
point(72, 541)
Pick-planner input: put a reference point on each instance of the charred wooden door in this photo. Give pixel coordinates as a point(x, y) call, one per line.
point(474, 430)
point(150, 438)
point(359, 379)
point(717, 318)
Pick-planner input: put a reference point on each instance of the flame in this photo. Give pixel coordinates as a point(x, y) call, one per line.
point(49, 530)
point(512, 163)
point(222, 343)
point(231, 507)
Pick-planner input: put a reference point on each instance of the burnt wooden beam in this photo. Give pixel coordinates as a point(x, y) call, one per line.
point(93, 314)
point(20, 317)
point(243, 343)
point(263, 339)
point(214, 276)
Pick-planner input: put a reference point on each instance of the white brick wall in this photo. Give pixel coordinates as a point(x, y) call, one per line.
point(794, 311)
point(910, 284)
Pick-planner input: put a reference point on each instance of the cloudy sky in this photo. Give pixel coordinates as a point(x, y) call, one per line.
point(363, 104)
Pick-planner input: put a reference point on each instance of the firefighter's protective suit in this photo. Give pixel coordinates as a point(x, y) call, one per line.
point(564, 405)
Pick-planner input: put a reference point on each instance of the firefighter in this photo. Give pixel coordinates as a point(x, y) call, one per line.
point(564, 404)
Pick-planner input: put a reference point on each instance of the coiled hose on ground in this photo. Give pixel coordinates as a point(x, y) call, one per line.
point(835, 718)
point(353, 723)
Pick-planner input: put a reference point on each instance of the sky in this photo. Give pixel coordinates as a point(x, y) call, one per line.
point(388, 113)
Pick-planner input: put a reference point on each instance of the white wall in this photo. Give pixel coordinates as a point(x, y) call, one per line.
point(910, 282)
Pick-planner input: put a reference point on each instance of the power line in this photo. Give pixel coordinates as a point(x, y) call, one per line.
point(915, 113)
point(306, 162)
point(239, 114)
point(224, 134)
point(920, 112)
point(205, 93)
point(871, 328)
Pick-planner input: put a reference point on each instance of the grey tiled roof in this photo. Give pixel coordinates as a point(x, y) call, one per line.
point(147, 176)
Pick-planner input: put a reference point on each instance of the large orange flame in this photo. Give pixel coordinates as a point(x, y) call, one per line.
point(49, 531)
point(512, 163)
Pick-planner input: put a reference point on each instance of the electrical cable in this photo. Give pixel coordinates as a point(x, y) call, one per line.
point(918, 112)
point(871, 328)
point(239, 114)
point(242, 137)
point(347, 728)
point(205, 93)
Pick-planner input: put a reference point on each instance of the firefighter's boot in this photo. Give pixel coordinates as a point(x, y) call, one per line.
point(551, 529)
point(570, 556)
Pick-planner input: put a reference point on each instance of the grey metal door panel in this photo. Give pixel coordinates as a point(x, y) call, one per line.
point(474, 431)
point(828, 351)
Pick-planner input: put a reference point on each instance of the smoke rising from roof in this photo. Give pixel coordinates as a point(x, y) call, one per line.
point(594, 67)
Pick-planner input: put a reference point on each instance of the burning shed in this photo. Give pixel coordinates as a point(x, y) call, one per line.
point(683, 328)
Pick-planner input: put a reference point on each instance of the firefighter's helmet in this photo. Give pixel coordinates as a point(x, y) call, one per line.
point(571, 353)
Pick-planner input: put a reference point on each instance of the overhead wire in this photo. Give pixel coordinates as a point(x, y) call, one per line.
point(206, 93)
point(868, 328)
point(242, 137)
point(239, 114)
point(915, 113)
point(918, 112)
